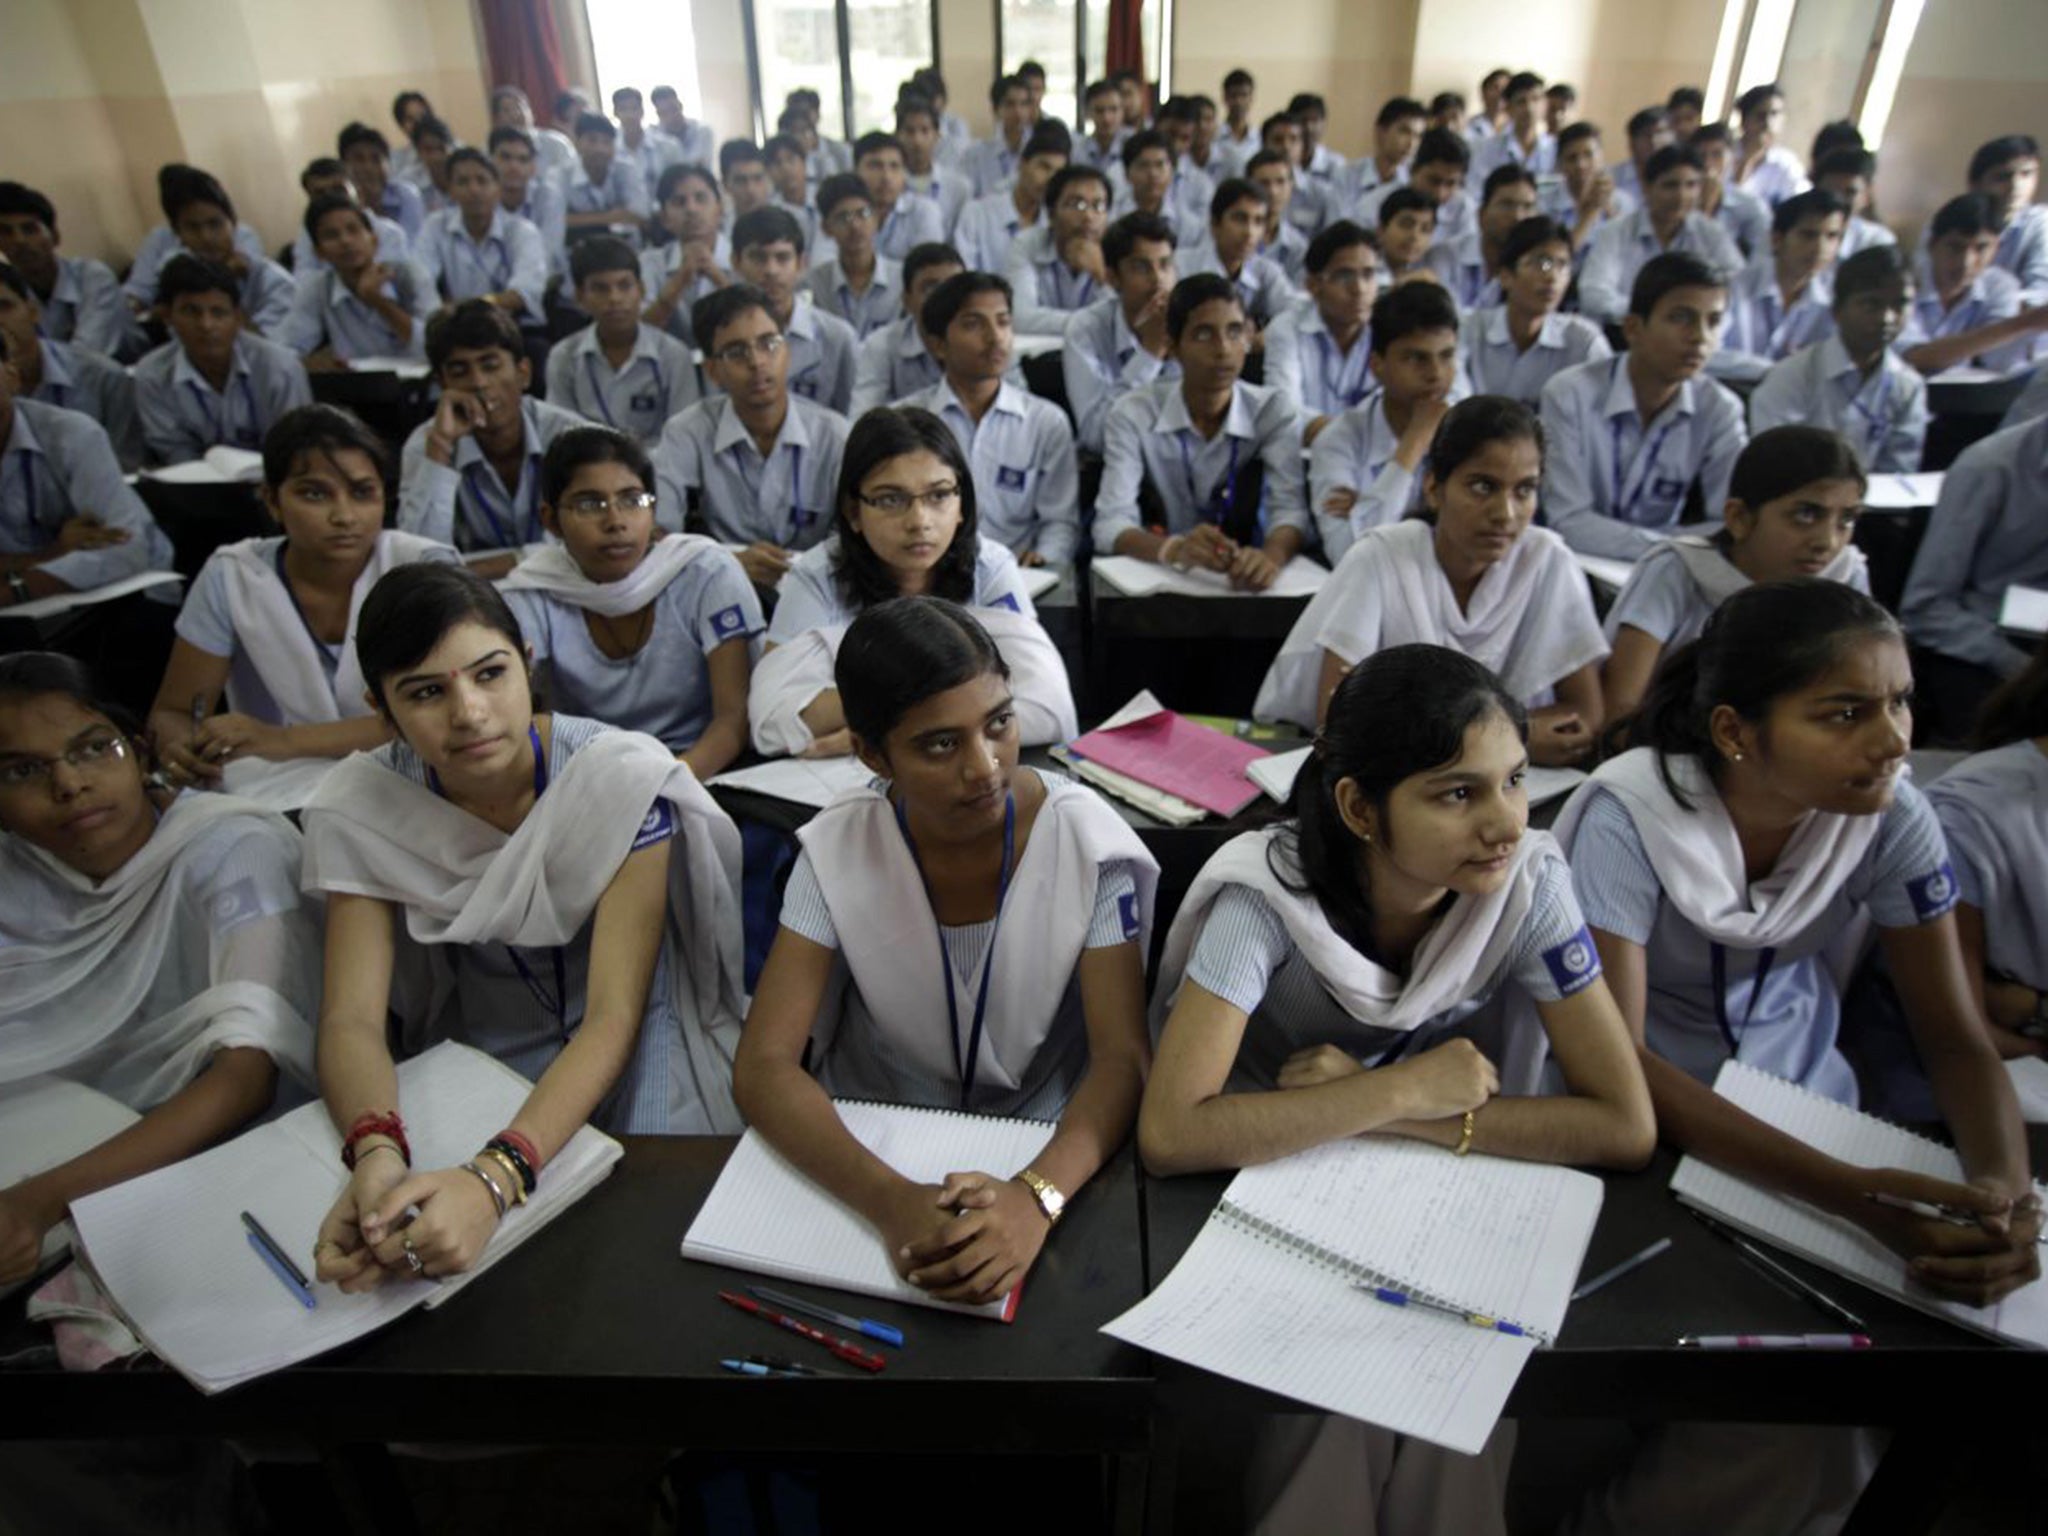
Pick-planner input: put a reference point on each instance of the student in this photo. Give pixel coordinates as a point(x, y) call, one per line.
point(56, 373)
point(1517, 346)
point(697, 261)
point(1469, 265)
point(917, 129)
point(1202, 153)
point(1019, 447)
point(510, 108)
point(1792, 507)
point(859, 286)
point(743, 172)
point(951, 826)
point(1669, 222)
point(905, 525)
point(210, 385)
point(601, 191)
point(474, 249)
point(1137, 97)
point(1778, 306)
point(990, 223)
point(1320, 164)
point(1238, 135)
point(768, 253)
point(1968, 310)
point(1363, 468)
point(1396, 131)
point(827, 157)
point(619, 370)
point(1057, 267)
point(992, 163)
point(1218, 458)
point(451, 827)
point(68, 521)
point(158, 948)
point(1447, 111)
point(1407, 231)
point(1317, 354)
point(525, 193)
point(201, 215)
point(1491, 120)
point(1585, 199)
point(1851, 381)
point(1525, 141)
point(1149, 181)
point(638, 151)
point(643, 629)
point(1684, 109)
point(1178, 122)
point(160, 244)
point(787, 175)
point(407, 109)
point(1438, 177)
point(1631, 435)
point(80, 298)
point(270, 622)
point(1765, 167)
point(355, 304)
point(1120, 344)
point(698, 140)
point(1101, 147)
point(896, 362)
point(470, 474)
point(434, 141)
point(328, 177)
point(757, 461)
point(1281, 239)
point(903, 219)
point(1237, 220)
point(1745, 216)
point(2008, 171)
point(1560, 107)
point(367, 154)
point(1849, 173)
point(1309, 208)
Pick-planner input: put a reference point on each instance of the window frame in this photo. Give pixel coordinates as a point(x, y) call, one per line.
point(842, 31)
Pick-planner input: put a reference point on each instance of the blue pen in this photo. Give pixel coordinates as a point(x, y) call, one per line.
point(1394, 1298)
point(267, 1250)
point(862, 1325)
point(750, 1368)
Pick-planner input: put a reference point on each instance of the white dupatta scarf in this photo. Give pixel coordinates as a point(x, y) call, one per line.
point(551, 569)
point(1717, 579)
point(372, 831)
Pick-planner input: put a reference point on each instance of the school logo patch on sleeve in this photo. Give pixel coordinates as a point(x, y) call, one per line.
point(1127, 913)
point(1933, 895)
point(1575, 964)
point(1008, 479)
point(1007, 600)
point(658, 826)
point(728, 622)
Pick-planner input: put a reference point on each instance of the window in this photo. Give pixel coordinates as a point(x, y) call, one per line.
point(796, 44)
point(888, 42)
point(1044, 30)
point(626, 36)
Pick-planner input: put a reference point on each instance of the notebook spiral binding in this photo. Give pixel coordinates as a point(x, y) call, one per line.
point(1236, 1216)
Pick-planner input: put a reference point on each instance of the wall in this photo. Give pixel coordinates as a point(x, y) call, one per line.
point(1352, 53)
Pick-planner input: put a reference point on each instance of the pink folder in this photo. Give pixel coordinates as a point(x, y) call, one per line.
point(1200, 765)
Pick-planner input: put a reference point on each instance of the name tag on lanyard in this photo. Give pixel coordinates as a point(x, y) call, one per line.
point(220, 425)
point(1633, 483)
point(508, 528)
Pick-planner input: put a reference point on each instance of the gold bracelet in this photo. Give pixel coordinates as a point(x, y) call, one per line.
point(516, 1184)
point(1465, 1141)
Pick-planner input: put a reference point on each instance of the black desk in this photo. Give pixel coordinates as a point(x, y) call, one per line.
point(1202, 654)
point(198, 519)
point(1962, 413)
point(390, 404)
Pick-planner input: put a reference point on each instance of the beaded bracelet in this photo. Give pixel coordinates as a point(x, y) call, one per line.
point(375, 1123)
point(497, 1194)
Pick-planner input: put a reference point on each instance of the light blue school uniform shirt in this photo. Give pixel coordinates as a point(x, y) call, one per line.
point(1747, 220)
point(915, 220)
point(1261, 282)
point(1556, 202)
point(1613, 486)
point(658, 265)
point(1456, 214)
point(657, 382)
point(822, 348)
point(544, 210)
point(1310, 207)
point(699, 142)
point(1995, 295)
point(1497, 367)
point(1506, 149)
point(393, 244)
point(810, 597)
point(867, 311)
point(465, 503)
point(1044, 289)
point(327, 313)
point(623, 187)
point(987, 228)
point(1289, 248)
point(1776, 1009)
point(807, 222)
point(1664, 600)
point(1988, 531)
point(77, 380)
point(1356, 452)
point(1884, 417)
point(160, 245)
point(509, 255)
point(2023, 252)
point(1150, 438)
point(1763, 329)
point(948, 188)
point(655, 153)
point(403, 205)
point(785, 499)
point(893, 363)
point(1304, 362)
point(2032, 400)
point(1622, 247)
point(1777, 176)
point(1101, 361)
point(664, 688)
point(991, 163)
point(1089, 151)
point(85, 306)
point(1460, 264)
point(57, 465)
point(1362, 176)
point(1026, 482)
point(183, 415)
point(1860, 234)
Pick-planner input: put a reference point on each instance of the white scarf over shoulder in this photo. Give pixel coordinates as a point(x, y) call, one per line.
point(275, 638)
point(790, 676)
point(1718, 579)
point(551, 569)
point(1530, 620)
point(374, 832)
point(79, 958)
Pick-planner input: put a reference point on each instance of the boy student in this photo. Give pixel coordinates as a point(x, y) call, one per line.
point(1560, 107)
point(1778, 305)
point(52, 372)
point(1281, 239)
point(787, 173)
point(863, 289)
point(525, 193)
point(1317, 353)
point(1407, 228)
point(355, 304)
point(1149, 182)
point(1237, 218)
point(511, 109)
point(1057, 268)
point(1137, 97)
point(476, 250)
point(828, 156)
point(1851, 382)
point(1026, 486)
point(1438, 174)
point(649, 154)
point(619, 370)
point(699, 141)
point(743, 172)
point(80, 297)
point(1585, 198)
point(1101, 147)
point(1447, 111)
point(1684, 108)
point(759, 464)
point(1669, 221)
point(917, 130)
point(1120, 344)
point(697, 261)
point(903, 218)
point(767, 249)
point(1526, 142)
point(1202, 153)
point(2008, 171)
point(367, 155)
point(992, 163)
point(1648, 131)
point(896, 361)
point(1363, 469)
point(1765, 167)
point(470, 474)
point(1309, 205)
point(434, 141)
point(1238, 135)
point(1491, 120)
point(1469, 265)
point(1177, 122)
point(1630, 435)
point(407, 108)
point(202, 216)
point(1745, 216)
point(328, 177)
point(1319, 163)
point(1396, 131)
point(953, 129)
point(1968, 310)
point(1848, 173)
point(210, 385)
point(1214, 459)
point(1517, 346)
point(988, 224)
point(602, 191)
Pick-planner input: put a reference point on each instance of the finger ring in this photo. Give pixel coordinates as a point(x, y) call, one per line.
point(413, 1261)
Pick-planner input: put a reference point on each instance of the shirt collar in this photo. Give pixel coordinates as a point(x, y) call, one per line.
point(909, 339)
point(1495, 323)
point(732, 431)
point(1621, 395)
point(1009, 400)
point(644, 336)
point(21, 437)
point(182, 371)
point(1239, 421)
point(66, 289)
point(801, 321)
point(56, 364)
point(468, 451)
point(460, 230)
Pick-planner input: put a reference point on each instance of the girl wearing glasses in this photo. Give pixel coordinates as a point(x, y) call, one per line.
point(159, 961)
point(645, 630)
point(905, 527)
point(989, 925)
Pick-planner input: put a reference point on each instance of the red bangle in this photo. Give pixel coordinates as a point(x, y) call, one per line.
point(524, 1146)
point(375, 1123)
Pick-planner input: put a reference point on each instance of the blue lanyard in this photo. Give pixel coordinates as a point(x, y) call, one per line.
point(330, 663)
point(480, 493)
point(1625, 505)
point(967, 1067)
point(800, 516)
point(28, 489)
point(218, 427)
point(598, 391)
point(1063, 294)
point(1337, 396)
point(1222, 498)
point(1879, 421)
point(499, 273)
point(1718, 961)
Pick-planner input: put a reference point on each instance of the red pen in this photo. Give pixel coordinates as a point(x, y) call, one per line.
point(845, 1349)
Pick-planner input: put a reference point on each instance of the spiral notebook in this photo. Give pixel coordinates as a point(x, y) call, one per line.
point(1270, 1292)
point(766, 1216)
point(1848, 1250)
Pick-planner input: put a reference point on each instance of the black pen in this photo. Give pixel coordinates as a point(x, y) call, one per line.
point(1772, 1270)
point(782, 1365)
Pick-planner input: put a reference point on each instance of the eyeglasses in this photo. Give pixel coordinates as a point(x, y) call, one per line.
point(895, 503)
point(1546, 266)
point(91, 755)
point(1084, 205)
point(740, 353)
point(592, 504)
point(851, 214)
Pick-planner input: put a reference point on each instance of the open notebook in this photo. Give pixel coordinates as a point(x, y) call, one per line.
point(1854, 1137)
point(169, 1247)
point(1269, 1293)
point(45, 1121)
point(764, 1215)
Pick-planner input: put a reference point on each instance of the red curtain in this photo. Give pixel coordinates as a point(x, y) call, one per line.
point(1126, 35)
point(524, 50)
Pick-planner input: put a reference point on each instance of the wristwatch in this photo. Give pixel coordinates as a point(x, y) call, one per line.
point(17, 586)
point(1046, 1193)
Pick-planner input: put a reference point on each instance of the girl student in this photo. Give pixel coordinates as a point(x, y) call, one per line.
point(1345, 973)
point(1471, 574)
point(905, 527)
point(550, 890)
point(1030, 1003)
point(270, 621)
point(646, 630)
point(1792, 507)
point(153, 947)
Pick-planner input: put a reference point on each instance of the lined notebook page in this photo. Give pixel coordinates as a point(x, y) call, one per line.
point(45, 1121)
point(764, 1215)
point(1853, 1137)
point(1494, 1236)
